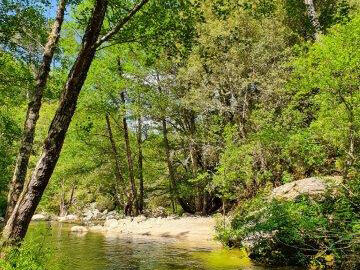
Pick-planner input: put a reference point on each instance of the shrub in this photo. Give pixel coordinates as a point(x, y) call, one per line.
point(304, 232)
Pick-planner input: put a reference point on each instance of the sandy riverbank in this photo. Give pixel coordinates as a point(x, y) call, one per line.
point(190, 229)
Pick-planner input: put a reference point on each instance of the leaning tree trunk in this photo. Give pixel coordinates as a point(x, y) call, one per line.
point(19, 220)
point(311, 12)
point(130, 162)
point(32, 115)
point(140, 166)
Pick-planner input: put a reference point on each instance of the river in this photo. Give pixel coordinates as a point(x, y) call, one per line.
point(94, 251)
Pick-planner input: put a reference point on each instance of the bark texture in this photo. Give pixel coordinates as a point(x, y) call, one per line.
point(311, 12)
point(32, 115)
point(20, 218)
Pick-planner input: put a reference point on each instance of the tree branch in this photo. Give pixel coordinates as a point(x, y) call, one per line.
point(121, 23)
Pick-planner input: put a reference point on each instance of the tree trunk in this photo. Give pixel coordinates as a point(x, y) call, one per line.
point(19, 220)
point(130, 161)
point(140, 166)
point(63, 207)
point(119, 177)
point(32, 115)
point(195, 161)
point(173, 193)
point(310, 8)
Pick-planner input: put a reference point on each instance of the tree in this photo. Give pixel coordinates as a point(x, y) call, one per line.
point(19, 220)
point(32, 115)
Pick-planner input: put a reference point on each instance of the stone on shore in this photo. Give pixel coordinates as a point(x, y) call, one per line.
point(68, 218)
point(40, 217)
point(111, 223)
point(139, 219)
point(79, 229)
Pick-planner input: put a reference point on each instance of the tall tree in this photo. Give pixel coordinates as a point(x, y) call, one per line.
point(17, 224)
point(33, 110)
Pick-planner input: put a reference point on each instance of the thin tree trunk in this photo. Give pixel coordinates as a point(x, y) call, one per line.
point(140, 166)
point(118, 174)
point(63, 208)
point(20, 218)
point(32, 115)
point(350, 160)
point(173, 192)
point(311, 12)
point(172, 183)
point(71, 199)
point(129, 160)
point(195, 162)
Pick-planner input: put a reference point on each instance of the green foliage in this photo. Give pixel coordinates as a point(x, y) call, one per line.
point(34, 253)
point(304, 232)
point(249, 100)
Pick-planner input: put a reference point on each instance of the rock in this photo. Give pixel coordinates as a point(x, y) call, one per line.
point(68, 218)
point(111, 223)
point(94, 214)
point(159, 212)
point(139, 219)
point(88, 215)
point(79, 229)
point(171, 217)
point(2, 219)
point(112, 215)
point(40, 217)
point(314, 187)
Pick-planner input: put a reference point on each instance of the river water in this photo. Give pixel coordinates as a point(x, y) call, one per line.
point(94, 251)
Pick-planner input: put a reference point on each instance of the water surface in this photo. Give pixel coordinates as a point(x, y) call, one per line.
point(94, 251)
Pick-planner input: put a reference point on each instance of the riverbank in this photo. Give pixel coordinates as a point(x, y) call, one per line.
point(199, 230)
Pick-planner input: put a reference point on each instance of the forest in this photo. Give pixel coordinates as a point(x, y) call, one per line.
point(246, 112)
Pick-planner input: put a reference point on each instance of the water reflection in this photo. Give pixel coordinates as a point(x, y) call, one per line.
point(94, 251)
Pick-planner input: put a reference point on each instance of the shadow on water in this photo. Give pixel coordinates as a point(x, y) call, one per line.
point(94, 251)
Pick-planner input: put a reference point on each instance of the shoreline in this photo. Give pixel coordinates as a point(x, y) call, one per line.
point(191, 230)
point(198, 230)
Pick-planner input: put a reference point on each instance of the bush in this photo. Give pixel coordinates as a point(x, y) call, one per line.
point(305, 232)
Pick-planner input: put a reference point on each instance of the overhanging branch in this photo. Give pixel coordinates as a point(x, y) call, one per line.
point(121, 23)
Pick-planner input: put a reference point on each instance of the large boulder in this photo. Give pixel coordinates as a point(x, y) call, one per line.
point(313, 187)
